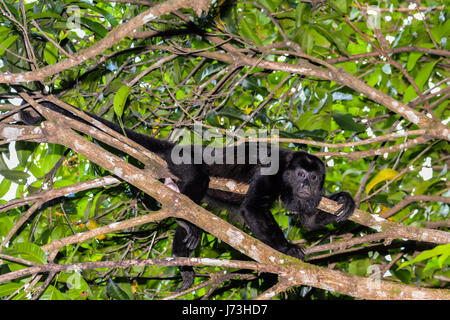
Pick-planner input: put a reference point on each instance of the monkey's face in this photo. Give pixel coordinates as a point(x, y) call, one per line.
point(303, 182)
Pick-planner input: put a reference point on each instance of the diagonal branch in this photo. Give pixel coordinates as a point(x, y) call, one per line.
point(113, 37)
point(434, 127)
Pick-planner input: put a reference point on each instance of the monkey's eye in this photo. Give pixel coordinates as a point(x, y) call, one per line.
point(313, 177)
point(301, 174)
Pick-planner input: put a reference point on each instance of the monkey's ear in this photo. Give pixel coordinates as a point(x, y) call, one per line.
point(289, 157)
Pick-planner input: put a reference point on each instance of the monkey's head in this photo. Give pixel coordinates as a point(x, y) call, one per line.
point(303, 181)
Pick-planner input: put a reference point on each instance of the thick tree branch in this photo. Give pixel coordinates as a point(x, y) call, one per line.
point(291, 274)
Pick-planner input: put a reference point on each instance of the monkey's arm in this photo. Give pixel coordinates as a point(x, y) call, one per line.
point(255, 209)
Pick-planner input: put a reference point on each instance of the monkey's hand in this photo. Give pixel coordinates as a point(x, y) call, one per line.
point(347, 205)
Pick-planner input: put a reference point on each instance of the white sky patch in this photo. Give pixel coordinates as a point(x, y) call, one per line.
point(13, 160)
point(390, 39)
point(413, 213)
point(15, 101)
point(330, 163)
point(399, 127)
point(387, 68)
point(407, 21)
point(427, 171)
point(80, 33)
point(370, 132)
point(435, 90)
point(11, 163)
point(418, 16)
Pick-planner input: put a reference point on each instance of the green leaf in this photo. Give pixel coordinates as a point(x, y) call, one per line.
point(9, 288)
point(413, 57)
point(307, 41)
point(424, 73)
point(95, 27)
point(443, 250)
point(62, 183)
point(271, 5)
point(4, 32)
point(248, 32)
point(409, 95)
point(111, 19)
point(50, 53)
point(212, 119)
point(403, 275)
point(52, 156)
point(346, 122)
point(356, 48)
point(115, 292)
point(311, 121)
point(6, 43)
point(317, 134)
point(51, 293)
point(349, 66)
point(119, 100)
point(28, 251)
point(374, 78)
point(207, 70)
point(359, 267)
point(339, 5)
point(24, 149)
point(16, 176)
point(43, 15)
point(299, 14)
point(4, 187)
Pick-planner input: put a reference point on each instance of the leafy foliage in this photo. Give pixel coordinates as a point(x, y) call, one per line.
point(192, 89)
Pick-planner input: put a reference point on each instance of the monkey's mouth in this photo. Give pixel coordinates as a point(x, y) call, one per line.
point(304, 195)
point(307, 195)
point(304, 204)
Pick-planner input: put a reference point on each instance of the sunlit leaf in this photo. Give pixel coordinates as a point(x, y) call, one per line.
point(442, 250)
point(91, 225)
point(119, 100)
point(6, 44)
point(383, 175)
point(50, 53)
point(29, 251)
point(51, 293)
point(116, 292)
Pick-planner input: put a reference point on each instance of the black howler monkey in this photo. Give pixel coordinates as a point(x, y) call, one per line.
point(298, 182)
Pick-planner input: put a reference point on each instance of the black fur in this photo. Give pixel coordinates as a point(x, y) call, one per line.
point(298, 182)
